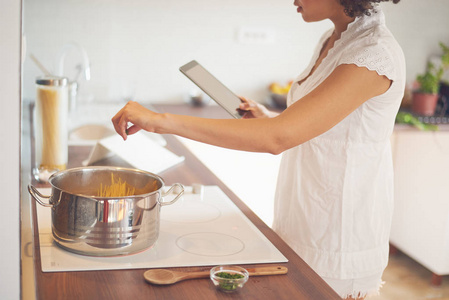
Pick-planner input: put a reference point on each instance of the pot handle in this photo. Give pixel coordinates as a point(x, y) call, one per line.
point(36, 196)
point(162, 203)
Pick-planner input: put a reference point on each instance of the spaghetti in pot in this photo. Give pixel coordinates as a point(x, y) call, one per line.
point(117, 188)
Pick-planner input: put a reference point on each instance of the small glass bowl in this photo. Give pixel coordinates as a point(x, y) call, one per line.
point(228, 284)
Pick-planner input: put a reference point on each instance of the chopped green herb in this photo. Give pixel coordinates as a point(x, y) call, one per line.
point(229, 275)
point(231, 284)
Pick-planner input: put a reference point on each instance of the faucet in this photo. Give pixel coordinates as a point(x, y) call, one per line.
point(85, 66)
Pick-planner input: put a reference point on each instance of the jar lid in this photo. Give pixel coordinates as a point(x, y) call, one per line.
point(52, 80)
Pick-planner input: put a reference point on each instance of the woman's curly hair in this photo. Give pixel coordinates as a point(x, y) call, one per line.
point(357, 8)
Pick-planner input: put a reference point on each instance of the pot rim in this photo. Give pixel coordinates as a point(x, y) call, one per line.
point(77, 169)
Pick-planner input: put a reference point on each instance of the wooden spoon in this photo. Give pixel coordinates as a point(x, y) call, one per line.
point(163, 276)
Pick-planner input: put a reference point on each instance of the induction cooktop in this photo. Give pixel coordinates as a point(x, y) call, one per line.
point(200, 229)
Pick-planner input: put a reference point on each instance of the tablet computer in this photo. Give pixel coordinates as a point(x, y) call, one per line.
point(213, 88)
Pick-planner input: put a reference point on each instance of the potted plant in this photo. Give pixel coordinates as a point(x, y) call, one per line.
point(425, 98)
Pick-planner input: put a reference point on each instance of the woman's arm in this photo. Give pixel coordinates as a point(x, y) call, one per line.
point(339, 95)
point(346, 88)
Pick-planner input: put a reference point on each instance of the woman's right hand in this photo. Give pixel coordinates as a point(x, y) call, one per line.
point(132, 118)
point(253, 109)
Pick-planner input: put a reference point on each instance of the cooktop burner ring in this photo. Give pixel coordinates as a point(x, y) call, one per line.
point(210, 244)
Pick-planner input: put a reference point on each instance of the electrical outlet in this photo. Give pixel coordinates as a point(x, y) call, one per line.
point(255, 36)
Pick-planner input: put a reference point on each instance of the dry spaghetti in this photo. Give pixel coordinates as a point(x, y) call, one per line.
point(51, 142)
point(117, 188)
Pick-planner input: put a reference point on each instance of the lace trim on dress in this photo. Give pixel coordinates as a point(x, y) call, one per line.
point(358, 287)
point(375, 58)
point(363, 294)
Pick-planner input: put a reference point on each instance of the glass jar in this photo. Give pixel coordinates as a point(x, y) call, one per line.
point(50, 127)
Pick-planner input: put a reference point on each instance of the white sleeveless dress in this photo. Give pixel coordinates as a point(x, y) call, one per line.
point(334, 197)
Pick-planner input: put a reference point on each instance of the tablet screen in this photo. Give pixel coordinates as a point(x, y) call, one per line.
point(212, 87)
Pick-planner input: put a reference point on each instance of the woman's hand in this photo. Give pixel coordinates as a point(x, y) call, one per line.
point(253, 109)
point(139, 117)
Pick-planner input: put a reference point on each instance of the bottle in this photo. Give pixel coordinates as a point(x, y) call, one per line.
point(50, 127)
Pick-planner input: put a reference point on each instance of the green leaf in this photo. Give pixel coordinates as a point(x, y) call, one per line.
point(408, 118)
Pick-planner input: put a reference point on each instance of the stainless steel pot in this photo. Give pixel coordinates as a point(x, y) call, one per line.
point(105, 226)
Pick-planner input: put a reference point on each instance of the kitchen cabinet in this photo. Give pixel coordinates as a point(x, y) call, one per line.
point(420, 225)
point(301, 282)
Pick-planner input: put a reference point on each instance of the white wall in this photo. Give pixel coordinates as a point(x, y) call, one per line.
point(140, 44)
point(144, 42)
point(10, 148)
point(419, 26)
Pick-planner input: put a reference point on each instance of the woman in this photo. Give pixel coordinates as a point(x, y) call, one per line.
point(334, 195)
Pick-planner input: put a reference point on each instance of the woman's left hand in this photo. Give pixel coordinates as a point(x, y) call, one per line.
point(252, 109)
point(134, 113)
